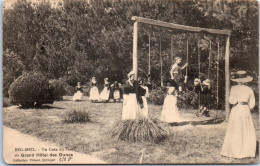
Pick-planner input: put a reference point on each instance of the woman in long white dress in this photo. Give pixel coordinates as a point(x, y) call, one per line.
point(78, 95)
point(240, 139)
point(130, 105)
point(94, 93)
point(104, 95)
point(170, 112)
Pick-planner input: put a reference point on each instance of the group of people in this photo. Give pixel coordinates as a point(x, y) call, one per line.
point(105, 95)
point(136, 92)
point(240, 139)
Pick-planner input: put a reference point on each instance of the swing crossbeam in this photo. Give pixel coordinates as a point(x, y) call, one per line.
point(180, 27)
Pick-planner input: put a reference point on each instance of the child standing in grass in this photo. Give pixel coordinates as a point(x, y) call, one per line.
point(170, 112)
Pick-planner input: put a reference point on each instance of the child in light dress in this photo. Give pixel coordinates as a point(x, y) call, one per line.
point(170, 112)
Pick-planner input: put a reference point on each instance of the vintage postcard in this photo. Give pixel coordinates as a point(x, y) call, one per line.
point(130, 82)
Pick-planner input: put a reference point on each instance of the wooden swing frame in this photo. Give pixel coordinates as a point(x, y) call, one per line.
point(139, 20)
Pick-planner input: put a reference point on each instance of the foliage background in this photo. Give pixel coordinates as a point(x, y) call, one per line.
point(75, 40)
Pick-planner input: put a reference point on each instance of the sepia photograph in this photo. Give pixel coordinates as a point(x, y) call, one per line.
point(130, 81)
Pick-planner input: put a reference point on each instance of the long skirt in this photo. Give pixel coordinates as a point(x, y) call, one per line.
point(170, 111)
point(77, 96)
point(116, 94)
point(94, 94)
point(130, 106)
point(143, 112)
point(104, 95)
point(240, 139)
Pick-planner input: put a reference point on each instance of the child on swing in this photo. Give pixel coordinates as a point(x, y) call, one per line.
point(205, 97)
point(176, 73)
point(204, 94)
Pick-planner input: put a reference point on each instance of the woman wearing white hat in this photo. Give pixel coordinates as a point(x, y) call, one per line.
point(130, 106)
point(240, 139)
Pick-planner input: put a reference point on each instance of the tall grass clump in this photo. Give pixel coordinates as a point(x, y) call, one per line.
point(77, 116)
point(140, 130)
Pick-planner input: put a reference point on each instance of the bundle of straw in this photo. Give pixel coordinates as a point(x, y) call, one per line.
point(140, 130)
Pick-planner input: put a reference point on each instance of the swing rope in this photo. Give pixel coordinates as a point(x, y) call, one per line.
point(149, 55)
point(161, 60)
point(172, 50)
point(187, 60)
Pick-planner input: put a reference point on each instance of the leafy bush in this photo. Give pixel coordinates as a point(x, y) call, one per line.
point(77, 116)
point(156, 96)
point(31, 89)
point(12, 69)
point(139, 130)
point(58, 88)
point(187, 99)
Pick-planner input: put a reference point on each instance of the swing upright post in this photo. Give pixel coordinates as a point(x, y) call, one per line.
point(227, 74)
point(135, 57)
point(189, 29)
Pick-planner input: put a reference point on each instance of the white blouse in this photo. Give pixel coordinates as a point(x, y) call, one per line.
point(242, 93)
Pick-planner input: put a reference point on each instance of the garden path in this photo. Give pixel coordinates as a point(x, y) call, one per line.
point(15, 152)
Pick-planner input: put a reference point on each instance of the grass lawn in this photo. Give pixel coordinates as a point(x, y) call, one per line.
point(194, 142)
